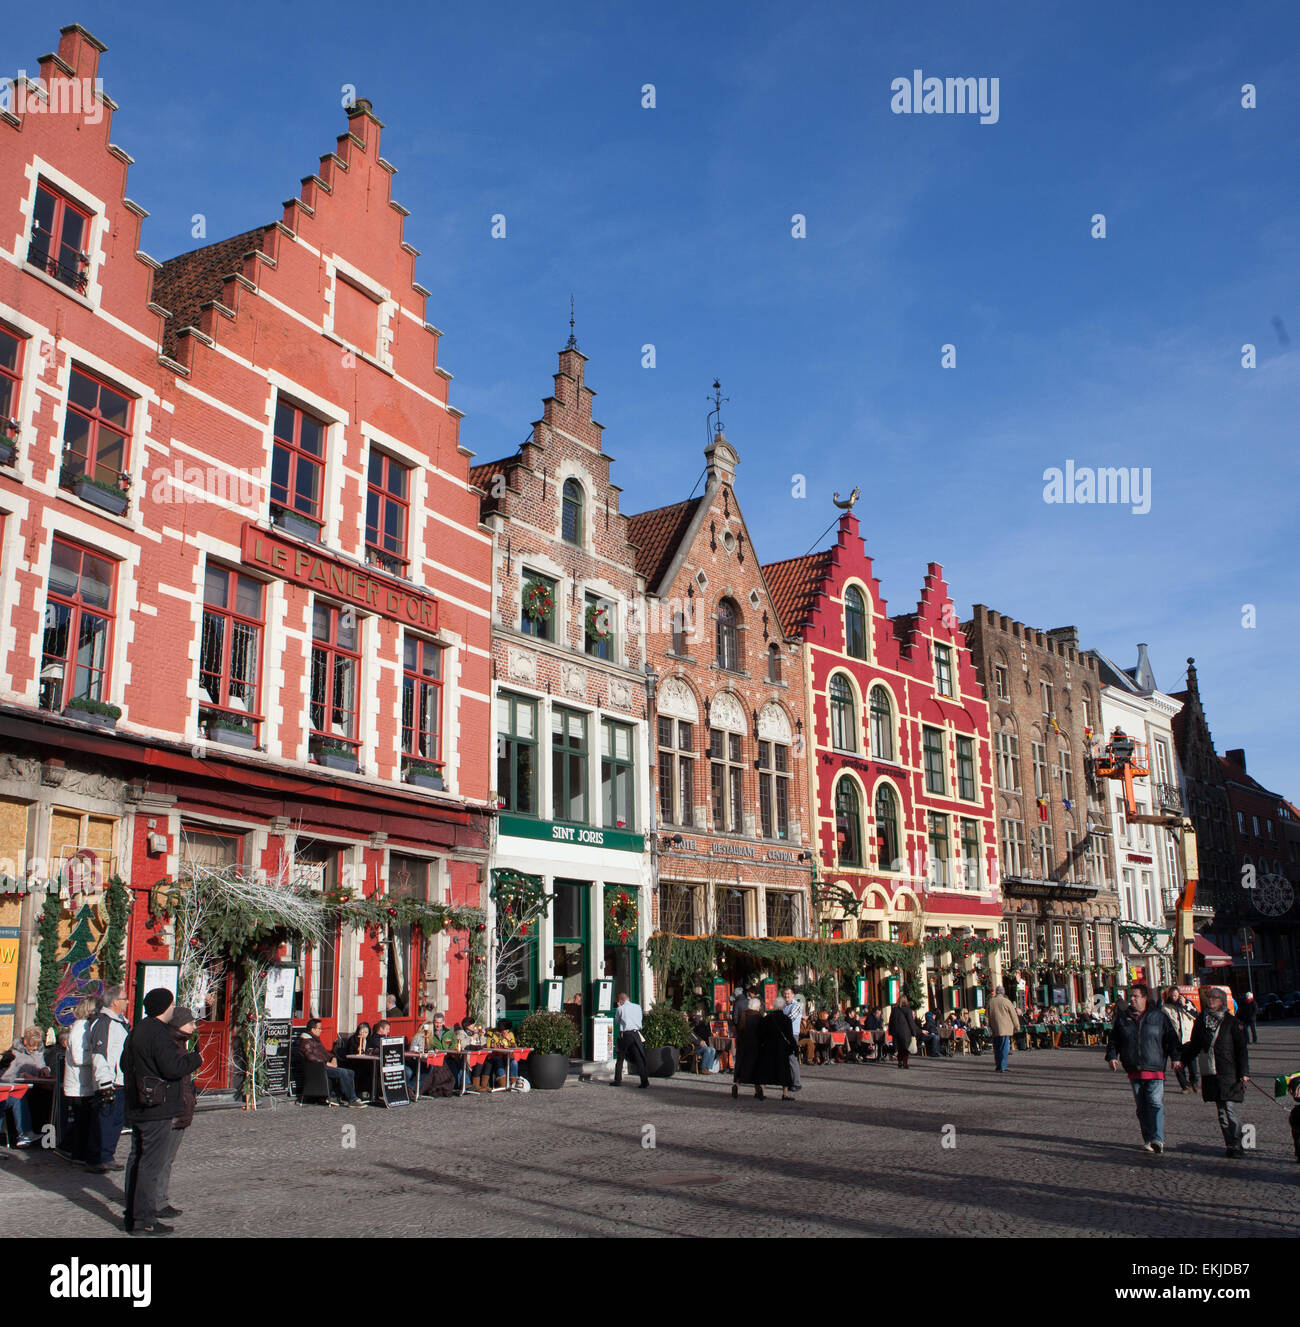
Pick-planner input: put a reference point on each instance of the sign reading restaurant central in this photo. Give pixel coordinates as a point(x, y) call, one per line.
point(292, 562)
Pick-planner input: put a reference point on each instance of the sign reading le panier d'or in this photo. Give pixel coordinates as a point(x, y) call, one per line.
point(292, 561)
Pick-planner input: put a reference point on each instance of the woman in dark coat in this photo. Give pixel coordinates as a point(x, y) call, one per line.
point(749, 1018)
point(764, 1044)
point(1218, 1045)
point(902, 1027)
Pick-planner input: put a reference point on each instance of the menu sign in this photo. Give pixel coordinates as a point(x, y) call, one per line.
point(277, 1035)
point(292, 561)
point(392, 1071)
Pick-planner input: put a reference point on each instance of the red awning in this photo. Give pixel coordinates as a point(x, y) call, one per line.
point(1213, 956)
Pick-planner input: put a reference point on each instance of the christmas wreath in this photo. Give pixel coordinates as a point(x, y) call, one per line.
point(598, 628)
point(620, 917)
point(539, 602)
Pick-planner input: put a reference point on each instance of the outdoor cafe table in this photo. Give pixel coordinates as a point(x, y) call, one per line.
point(372, 1061)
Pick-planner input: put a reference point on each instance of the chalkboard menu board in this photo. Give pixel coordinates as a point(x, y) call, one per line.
point(277, 1035)
point(392, 1071)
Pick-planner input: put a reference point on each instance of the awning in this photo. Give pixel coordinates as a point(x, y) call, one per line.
point(1212, 955)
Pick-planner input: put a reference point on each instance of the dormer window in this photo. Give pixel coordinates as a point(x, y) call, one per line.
point(60, 233)
point(571, 512)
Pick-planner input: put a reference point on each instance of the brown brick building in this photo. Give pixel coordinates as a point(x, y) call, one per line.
point(1055, 847)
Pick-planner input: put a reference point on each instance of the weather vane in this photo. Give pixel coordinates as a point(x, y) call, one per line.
point(717, 398)
point(573, 340)
point(847, 505)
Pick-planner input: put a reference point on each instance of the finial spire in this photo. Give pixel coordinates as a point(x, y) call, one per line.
point(716, 413)
point(573, 340)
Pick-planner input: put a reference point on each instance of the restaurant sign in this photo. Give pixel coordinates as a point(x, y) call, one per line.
point(292, 561)
point(583, 836)
point(726, 849)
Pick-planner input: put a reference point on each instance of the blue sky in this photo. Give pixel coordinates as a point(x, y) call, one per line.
point(672, 226)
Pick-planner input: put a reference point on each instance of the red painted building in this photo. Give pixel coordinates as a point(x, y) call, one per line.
point(246, 589)
point(899, 763)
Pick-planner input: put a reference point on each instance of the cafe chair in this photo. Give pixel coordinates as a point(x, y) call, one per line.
point(315, 1083)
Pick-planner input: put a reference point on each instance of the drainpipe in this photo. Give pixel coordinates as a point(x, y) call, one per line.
point(651, 688)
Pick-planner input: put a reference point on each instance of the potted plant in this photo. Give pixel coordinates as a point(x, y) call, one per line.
point(553, 1038)
point(666, 1032)
point(233, 732)
point(93, 711)
point(335, 755)
point(111, 498)
point(422, 773)
point(295, 523)
point(8, 443)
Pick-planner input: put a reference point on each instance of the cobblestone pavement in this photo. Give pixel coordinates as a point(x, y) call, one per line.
point(1051, 1148)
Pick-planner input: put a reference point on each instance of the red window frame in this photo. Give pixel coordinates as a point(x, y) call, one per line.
point(299, 458)
point(332, 652)
point(381, 547)
point(11, 379)
point(97, 424)
point(234, 621)
point(51, 258)
point(417, 740)
point(79, 608)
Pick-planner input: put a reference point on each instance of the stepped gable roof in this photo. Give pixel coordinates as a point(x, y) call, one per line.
point(184, 284)
point(794, 584)
point(656, 536)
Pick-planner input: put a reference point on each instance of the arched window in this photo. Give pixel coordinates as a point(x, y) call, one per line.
point(882, 724)
point(774, 662)
point(886, 828)
point(728, 636)
point(844, 728)
point(571, 512)
point(848, 823)
point(855, 623)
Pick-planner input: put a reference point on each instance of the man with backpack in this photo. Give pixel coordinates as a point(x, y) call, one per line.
point(105, 1039)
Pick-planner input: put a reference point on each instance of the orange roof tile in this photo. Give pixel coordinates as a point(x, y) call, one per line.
point(188, 281)
point(656, 535)
point(794, 584)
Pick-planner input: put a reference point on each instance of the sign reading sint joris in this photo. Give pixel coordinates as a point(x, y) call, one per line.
point(291, 561)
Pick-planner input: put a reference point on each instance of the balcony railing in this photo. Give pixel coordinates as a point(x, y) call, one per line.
point(40, 256)
point(1168, 798)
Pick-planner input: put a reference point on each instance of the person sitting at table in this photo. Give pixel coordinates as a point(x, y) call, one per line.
point(312, 1048)
point(381, 1030)
point(930, 1033)
point(23, 1063)
point(435, 1036)
point(700, 1042)
point(496, 1070)
point(356, 1043)
point(945, 1036)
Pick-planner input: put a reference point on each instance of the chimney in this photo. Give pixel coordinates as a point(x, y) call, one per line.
point(721, 461)
point(1238, 757)
point(1143, 676)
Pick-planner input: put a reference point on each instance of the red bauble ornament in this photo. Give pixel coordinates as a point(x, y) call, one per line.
point(392, 912)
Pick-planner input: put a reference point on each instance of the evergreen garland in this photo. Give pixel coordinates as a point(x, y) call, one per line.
point(47, 985)
point(689, 955)
point(117, 903)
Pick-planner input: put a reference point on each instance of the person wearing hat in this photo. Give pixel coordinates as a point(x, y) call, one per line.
point(181, 1023)
point(153, 1069)
point(1218, 1044)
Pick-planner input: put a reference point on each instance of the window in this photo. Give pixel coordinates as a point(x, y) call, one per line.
point(11, 377)
point(781, 914)
point(882, 724)
point(888, 856)
point(1038, 754)
point(1008, 753)
point(1013, 848)
point(679, 632)
point(937, 836)
point(616, 775)
point(848, 823)
point(970, 853)
point(539, 607)
point(1071, 855)
point(1000, 682)
point(676, 909)
point(1043, 839)
point(966, 785)
point(1047, 691)
point(230, 643)
point(421, 698)
point(571, 512)
point(774, 790)
point(95, 432)
point(568, 765)
point(943, 669)
point(726, 774)
point(1058, 940)
point(1004, 941)
point(78, 626)
point(728, 636)
point(730, 905)
point(1089, 946)
point(297, 464)
point(60, 233)
point(1067, 775)
point(408, 878)
point(335, 674)
point(774, 662)
point(1162, 762)
point(1098, 871)
point(676, 772)
point(387, 513)
point(1254, 826)
point(844, 728)
point(855, 623)
point(517, 754)
point(1087, 712)
point(1105, 946)
point(932, 742)
point(1022, 940)
point(1241, 822)
point(598, 627)
point(1124, 828)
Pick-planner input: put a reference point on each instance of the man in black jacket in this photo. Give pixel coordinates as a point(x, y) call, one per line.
point(1141, 1039)
point(154, 1069)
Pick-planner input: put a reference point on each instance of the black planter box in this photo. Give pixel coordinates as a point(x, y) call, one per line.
point(302, 527)
point(8, 451)
point(336, 760)
point(112, 502)
point(244, 737)
point(424, 778)
point(88, 716)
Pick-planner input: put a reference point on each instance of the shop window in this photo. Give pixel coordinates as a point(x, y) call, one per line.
point(408, 878)
point(78, 627)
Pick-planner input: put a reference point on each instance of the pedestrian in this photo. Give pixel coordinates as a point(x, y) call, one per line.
point(1250, 1015)
point(153, 1069)
point(902, 1027)
point(793, 1010)
point(631, 1044)
point(181, 1024)
point(1183, 1017)
point(1004, 1023)
point(79, 1081)
point(1218, 1042)
point(1294, 1119)
point(754, 1048)
point(1141, 1039)
point(106, 1038)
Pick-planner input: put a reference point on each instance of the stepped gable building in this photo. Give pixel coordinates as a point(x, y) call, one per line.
point(899, 765)
point(733, 840)
point(246, 592)
point(1061, 941)
point(570, 699)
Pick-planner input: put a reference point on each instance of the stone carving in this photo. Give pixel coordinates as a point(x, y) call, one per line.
point(677, 701)
point(573, 680)
point(621, 695)
point(773, 724)
point(727, 713)
point(522, 665)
